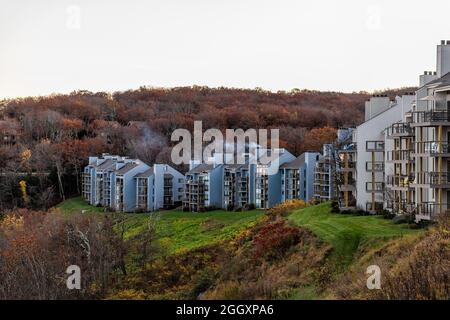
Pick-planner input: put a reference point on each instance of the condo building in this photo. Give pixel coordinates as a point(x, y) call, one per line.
point(297, 177)
point(203, 187)
point(159, 187)
point(431, 124)
point(402, 155)
point(324, 172)
point(345, 177)
point(127, 185)
point(268, 180)
point(232, 186)
point(373, 149)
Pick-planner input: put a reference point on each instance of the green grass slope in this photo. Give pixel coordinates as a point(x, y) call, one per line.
point(176, 230)
point(345, 232)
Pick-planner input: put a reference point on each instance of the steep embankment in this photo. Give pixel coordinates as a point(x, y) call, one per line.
point(294, 251)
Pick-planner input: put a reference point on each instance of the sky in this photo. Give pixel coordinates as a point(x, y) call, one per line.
point(58, 46)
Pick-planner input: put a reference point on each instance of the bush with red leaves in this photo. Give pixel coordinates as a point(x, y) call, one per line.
point(274, 240)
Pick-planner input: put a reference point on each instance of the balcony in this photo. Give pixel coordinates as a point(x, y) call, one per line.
point(374, 206)
point(374, 166)
point(432, 148)
point(401, 129)
point(430, 210)
point(398, 156)
point(431, 118)
point(400, 206)
point(374, 146)
point(399, 182)
point(433, 179)
point(347, 166)
point(375, 187)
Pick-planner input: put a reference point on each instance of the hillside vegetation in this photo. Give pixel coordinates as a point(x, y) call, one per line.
point(293, 251)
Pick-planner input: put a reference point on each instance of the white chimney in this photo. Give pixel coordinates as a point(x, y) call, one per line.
point(376, 105)
point(443, 58)
point(427, 77)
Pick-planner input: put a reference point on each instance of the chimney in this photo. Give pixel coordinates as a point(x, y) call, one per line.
point(427, 77)
point(443, 58)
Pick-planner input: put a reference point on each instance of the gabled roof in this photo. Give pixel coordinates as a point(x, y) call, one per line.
point(129, 166)
point(235, 166)
point(294, 164)
point(201, 168)
point(108, 163)
point(145, 174)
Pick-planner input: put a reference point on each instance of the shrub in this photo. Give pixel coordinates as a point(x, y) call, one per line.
point(386, 214)
point(230, 207)
point(274, 240)
point(249, 206)
point(335, 207)
point(286, 207)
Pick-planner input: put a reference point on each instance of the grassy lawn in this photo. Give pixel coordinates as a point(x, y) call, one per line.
point(345, 232)
point(176, 230)
point(76, 205)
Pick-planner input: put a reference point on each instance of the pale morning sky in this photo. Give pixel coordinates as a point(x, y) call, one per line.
point(59, 46)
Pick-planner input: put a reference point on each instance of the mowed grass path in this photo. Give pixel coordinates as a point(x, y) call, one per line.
point(178, 231)
point(346, 232)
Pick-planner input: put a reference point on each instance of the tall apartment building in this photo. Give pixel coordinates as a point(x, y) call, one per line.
point(228, 186)
point(345, 178)
point(324, 172)
point(402, 158)
point(431, 124)
point(203, 187)
point(161, 186)
point(373, 148)
point(118, 183)
point(268, 181)
point(297, 177)
point(238, 185)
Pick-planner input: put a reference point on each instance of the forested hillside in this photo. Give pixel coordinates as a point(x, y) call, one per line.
point(45, 141)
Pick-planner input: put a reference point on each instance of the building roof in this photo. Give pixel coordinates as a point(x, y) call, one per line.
point(294, 164)
point(443, 81)
point(106, 164)
point(145, 174)
point(204, 167)
point(234, 166)
point(129, 166)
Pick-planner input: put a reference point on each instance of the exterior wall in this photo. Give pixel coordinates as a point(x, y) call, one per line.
point(373, 130)
point(273, 181)
point(310, 162)
point(129, 189)
point(216, 187)
point(158, 188)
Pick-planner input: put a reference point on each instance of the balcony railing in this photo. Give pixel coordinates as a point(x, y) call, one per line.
point(401, 181)
point(431, 209)
point(374, 146)
point(431, 116)
point(400, 206)
point(434, 179)
point(374, 186)
point(399, 155)
point(377, 166)
point(399, 129)
point(348, 165)
point(432, 147)
point(375, 206)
